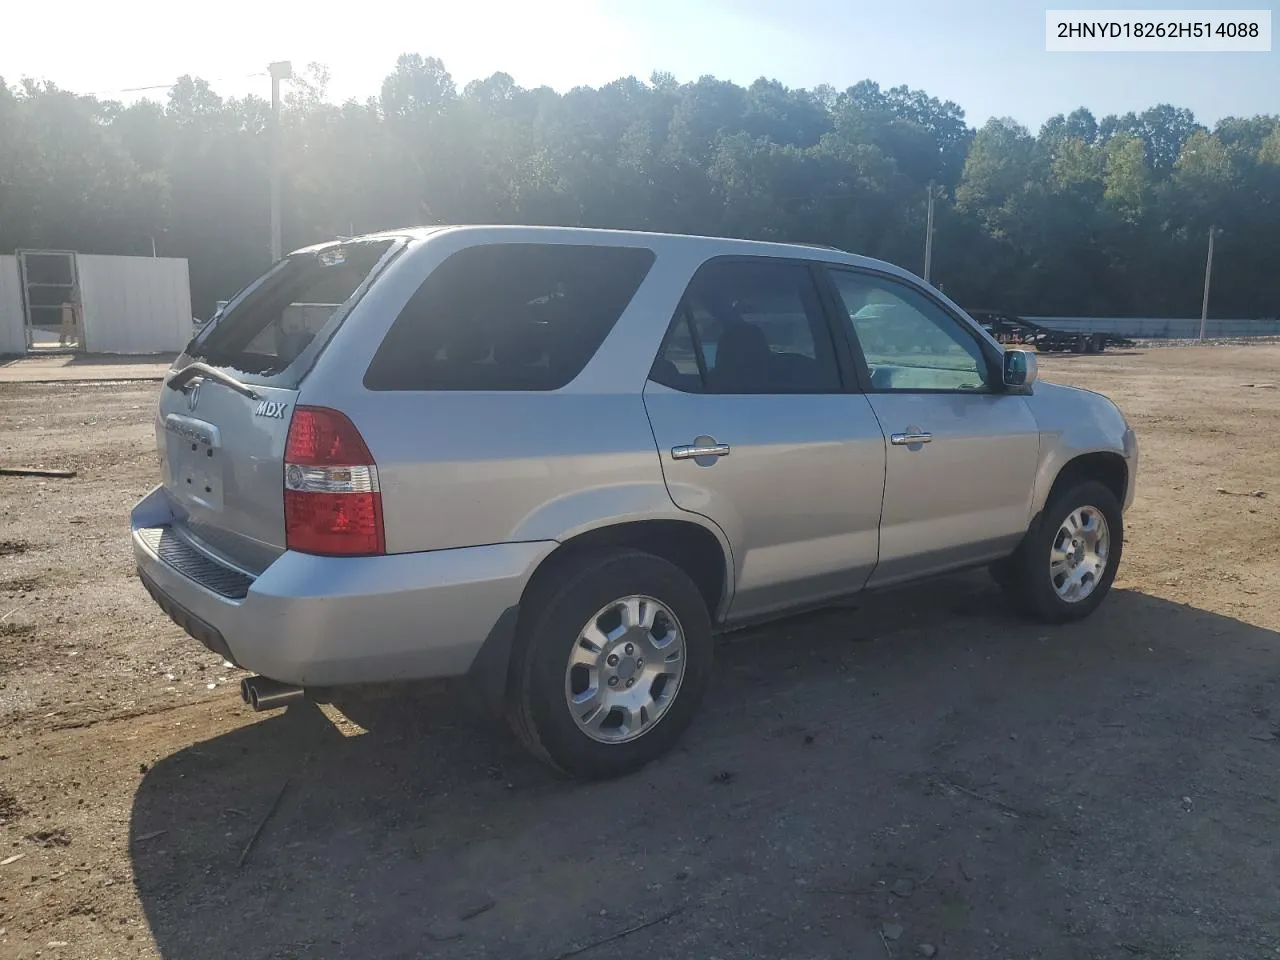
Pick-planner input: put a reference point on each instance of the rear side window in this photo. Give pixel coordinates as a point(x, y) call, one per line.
point(749, 327)
point(511, 316)
point(263, 331)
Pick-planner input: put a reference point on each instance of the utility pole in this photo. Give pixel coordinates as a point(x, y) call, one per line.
point(928, 237)
point(280, 70)
point(1208, 271)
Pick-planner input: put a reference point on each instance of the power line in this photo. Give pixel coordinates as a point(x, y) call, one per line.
point(170, 85)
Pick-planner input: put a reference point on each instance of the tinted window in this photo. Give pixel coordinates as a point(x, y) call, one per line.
point(750, 327)
point(513, 316)
point(910, 343)
point(263, 331)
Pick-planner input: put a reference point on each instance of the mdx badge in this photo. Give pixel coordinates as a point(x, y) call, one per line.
point(271, 408)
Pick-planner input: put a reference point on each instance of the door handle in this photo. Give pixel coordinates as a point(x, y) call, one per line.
point(907, 439)
point(689, 451)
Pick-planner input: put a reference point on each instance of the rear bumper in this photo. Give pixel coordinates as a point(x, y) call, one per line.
point(188, 621)
point(331, 621)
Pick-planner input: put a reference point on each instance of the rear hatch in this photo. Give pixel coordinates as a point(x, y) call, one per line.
point(225, 409)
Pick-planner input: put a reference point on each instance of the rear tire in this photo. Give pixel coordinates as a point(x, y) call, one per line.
point(1054, 577)
point(583, 698)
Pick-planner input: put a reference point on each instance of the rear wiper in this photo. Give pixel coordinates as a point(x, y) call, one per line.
point(179, 380)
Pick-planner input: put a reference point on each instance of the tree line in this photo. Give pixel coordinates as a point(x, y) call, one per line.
point(1085, 217)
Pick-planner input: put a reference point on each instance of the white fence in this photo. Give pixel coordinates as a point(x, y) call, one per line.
point(13, 334)
point(132, 305)
point(1156, 328)
point(135, 304)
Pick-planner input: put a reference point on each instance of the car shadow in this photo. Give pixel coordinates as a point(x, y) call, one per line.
point(924, 767)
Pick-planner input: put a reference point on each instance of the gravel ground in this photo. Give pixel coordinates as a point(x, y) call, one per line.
point(923, 771)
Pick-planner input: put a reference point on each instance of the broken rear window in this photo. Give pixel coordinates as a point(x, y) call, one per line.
point(268, 327)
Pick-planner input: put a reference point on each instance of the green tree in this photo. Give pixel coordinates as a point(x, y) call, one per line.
point(1085, 217)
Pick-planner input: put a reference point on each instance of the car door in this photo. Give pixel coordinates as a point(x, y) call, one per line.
point(962, 451)
point(761, 428)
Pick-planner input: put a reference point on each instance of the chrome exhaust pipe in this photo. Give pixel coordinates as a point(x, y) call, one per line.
point(263, 693)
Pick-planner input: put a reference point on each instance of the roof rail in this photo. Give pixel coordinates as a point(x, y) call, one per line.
point(820, 246)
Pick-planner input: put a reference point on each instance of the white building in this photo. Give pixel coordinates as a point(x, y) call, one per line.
point(62, 300)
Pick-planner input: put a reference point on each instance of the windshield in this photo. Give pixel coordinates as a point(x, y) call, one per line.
point(266, 328)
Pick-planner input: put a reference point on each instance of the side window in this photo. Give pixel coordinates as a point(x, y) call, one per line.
point(679, 364)
point(510, 316)
point(909, 342)
point(749, 327)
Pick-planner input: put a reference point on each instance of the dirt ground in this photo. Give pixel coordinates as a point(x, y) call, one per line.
point(63, 368)
point(924, 769)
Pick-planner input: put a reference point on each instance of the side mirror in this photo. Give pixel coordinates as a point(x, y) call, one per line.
point(1020, 368)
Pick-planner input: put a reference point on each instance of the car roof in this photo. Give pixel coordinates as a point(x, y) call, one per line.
point(724, 246)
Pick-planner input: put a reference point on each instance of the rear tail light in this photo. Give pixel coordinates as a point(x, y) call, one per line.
point(332, 504)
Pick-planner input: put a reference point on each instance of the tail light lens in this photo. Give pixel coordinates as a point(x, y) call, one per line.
point(332, 504)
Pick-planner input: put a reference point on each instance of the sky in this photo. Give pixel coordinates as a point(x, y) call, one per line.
point(986, 55)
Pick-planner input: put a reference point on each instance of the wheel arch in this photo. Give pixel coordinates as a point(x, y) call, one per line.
point(701, 553)
point(1105, 466)
point(1017, 573)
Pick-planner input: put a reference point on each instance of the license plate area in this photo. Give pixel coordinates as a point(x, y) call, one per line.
point(193, 461)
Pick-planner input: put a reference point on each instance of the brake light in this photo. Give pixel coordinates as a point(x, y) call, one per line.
point(332, 504)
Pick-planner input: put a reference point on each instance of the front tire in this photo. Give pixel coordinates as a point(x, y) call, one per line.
point(613, 655)
point(1065, 567)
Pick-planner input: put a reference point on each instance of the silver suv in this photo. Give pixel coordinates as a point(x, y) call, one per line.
point(560, 461)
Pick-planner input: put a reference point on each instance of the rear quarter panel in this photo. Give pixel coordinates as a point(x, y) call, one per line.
point(461, 469)
point(464, 468)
